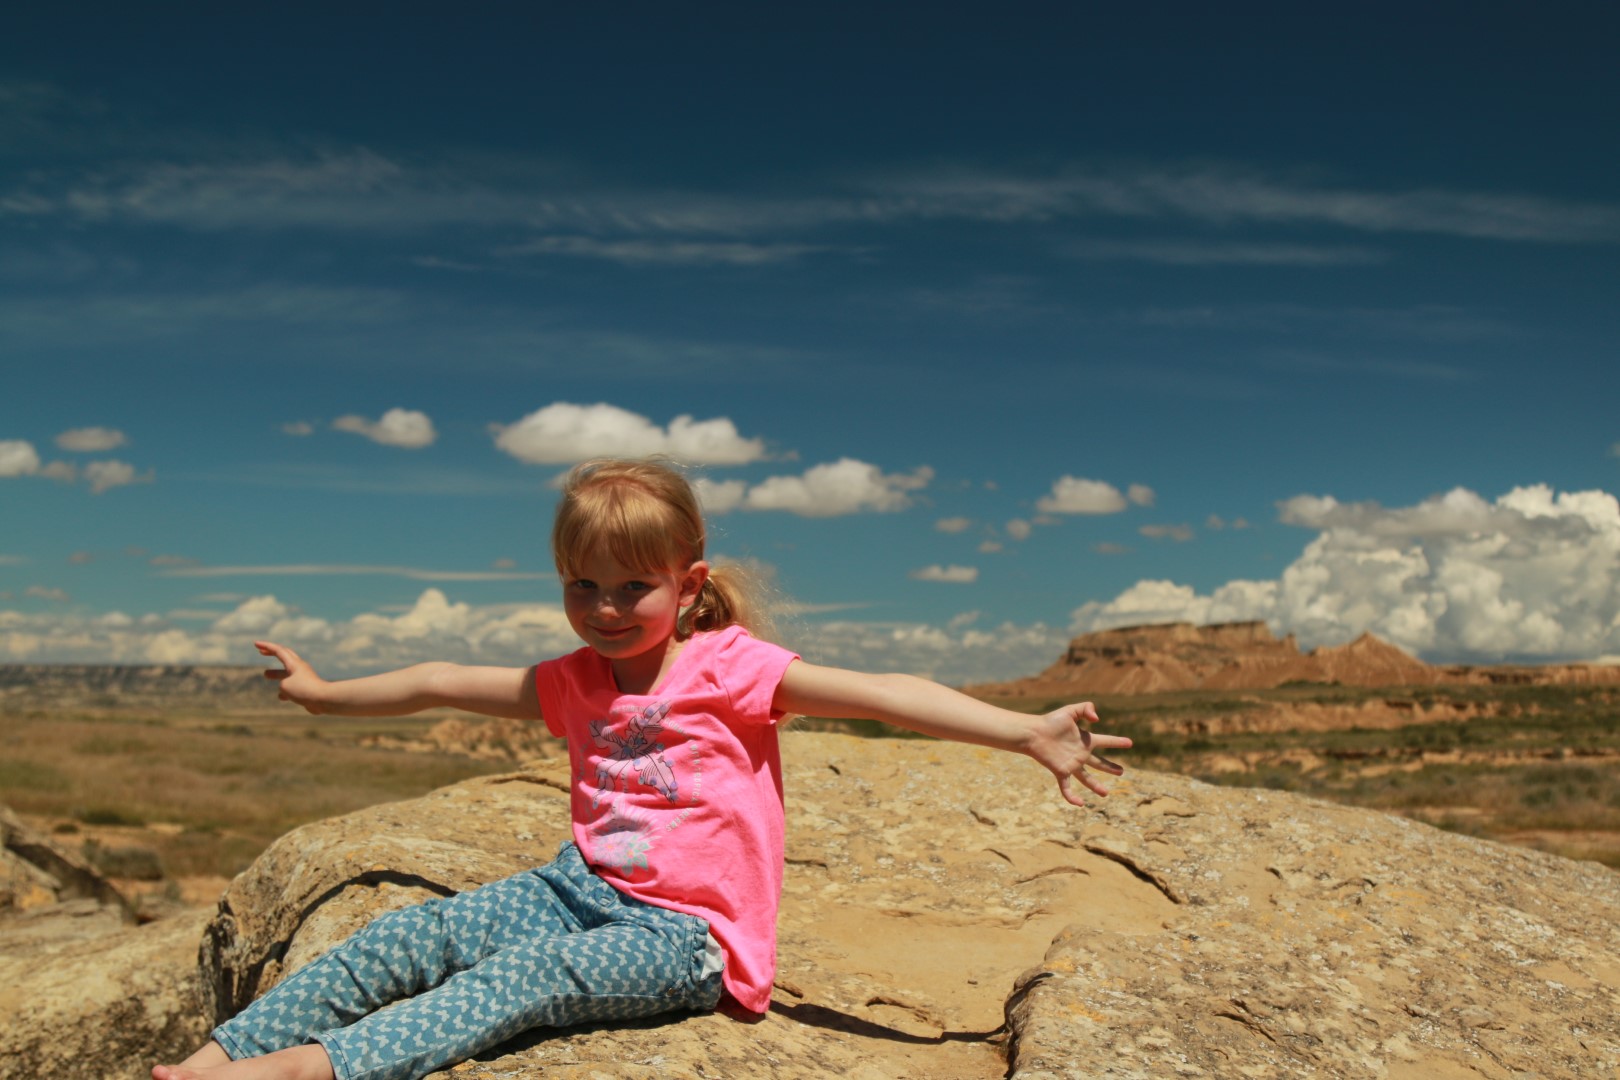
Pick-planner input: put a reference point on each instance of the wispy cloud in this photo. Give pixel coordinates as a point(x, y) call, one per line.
point(643, 252)
point(358, 189)
point(1229, 253)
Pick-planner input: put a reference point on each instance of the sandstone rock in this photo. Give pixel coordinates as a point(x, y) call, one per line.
point(35, 872)
point(106, 1003)
point(1173, 929)
point(1246, 656)
point(83, 992)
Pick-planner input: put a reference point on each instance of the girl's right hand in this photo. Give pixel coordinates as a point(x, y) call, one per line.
point(299, 683)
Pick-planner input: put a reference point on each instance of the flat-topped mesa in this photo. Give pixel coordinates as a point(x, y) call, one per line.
point(1166, 657)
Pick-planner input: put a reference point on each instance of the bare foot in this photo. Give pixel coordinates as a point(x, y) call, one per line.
point(308, 1062)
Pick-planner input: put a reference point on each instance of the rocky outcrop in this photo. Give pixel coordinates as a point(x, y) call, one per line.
point(83, 991)
point(1173, 657)
point(946, 916)
point(36, 874)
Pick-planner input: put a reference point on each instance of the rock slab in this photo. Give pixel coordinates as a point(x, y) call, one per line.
point(945, 916)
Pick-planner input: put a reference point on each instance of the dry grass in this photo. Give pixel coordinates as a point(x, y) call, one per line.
point(206, 796)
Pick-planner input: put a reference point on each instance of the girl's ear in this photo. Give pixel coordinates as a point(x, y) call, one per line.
point(692, 582)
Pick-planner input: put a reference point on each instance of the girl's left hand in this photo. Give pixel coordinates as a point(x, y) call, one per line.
point(1065, 744)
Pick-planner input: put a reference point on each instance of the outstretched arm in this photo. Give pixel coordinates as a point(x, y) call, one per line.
point(491, 691)
point(1061, 740)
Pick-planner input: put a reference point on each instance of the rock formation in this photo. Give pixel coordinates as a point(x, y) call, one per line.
point(945, 915)
point(1246, 656)
point(83, 991)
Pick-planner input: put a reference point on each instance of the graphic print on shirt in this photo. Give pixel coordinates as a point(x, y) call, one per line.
point(624, 840)
point(636, 749)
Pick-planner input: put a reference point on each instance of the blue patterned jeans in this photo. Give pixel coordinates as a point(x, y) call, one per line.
point(547, 947)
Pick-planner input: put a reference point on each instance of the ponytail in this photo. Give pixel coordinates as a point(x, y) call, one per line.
point(733, 595)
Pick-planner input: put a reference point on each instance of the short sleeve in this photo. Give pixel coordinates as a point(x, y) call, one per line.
point(549, 676)
point(752, 670)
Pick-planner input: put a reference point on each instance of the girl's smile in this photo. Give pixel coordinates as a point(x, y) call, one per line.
point(629, 615)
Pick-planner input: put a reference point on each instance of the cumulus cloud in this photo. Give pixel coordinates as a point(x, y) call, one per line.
point(1075, 495)
point(1019, 529)
point(1534, 574)
point(433, 627)
point(106, 475)
point(956, 654)
point(846, 486)
point(1140, 494)
point(719, 496)
point(989, 547)
point(91, 439)
point(405, 428)
point(298, 428)
point(563, 434)
point(954, 524)
point(18, 458)
point(954, 575)
point(46, 592)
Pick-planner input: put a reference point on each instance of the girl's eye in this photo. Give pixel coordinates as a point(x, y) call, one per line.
point(583, 583)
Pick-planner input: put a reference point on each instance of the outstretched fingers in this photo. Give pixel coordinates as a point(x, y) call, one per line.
point(289, 659)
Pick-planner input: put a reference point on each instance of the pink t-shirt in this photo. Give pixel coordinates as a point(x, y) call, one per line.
point(677, 794)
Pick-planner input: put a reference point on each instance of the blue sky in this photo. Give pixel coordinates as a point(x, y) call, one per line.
point(986, 328)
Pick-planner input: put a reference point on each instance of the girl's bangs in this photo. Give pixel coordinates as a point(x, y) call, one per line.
point(633, 526)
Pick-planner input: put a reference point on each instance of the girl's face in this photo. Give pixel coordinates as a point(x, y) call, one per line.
point(624, 613)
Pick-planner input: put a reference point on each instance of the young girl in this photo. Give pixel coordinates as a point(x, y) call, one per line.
point(666, 897)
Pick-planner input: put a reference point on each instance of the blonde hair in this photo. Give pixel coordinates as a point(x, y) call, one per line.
point(646, 515)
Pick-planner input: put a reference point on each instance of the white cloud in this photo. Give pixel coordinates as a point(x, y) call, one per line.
point(62, 471)
point(563, 433)
point(91, 439)
point(955, 575)
point(1179, 533)
point(106, 475)
point(438, 628)
point(846, 486)
point(954, 524)
point(298, 428)
point(18, 458)
point(433, 628)
point(1140, 494)
point(719, 496)
point(254, 615)
point(1074, 495)
point(46, 592)
point(955, 654)
point(405, 428)
point(1019, 529)
point(990, 547)
point(1533, 574)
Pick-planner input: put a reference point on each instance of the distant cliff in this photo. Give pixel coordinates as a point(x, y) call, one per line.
point(92, 686)
point(1246, 656)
